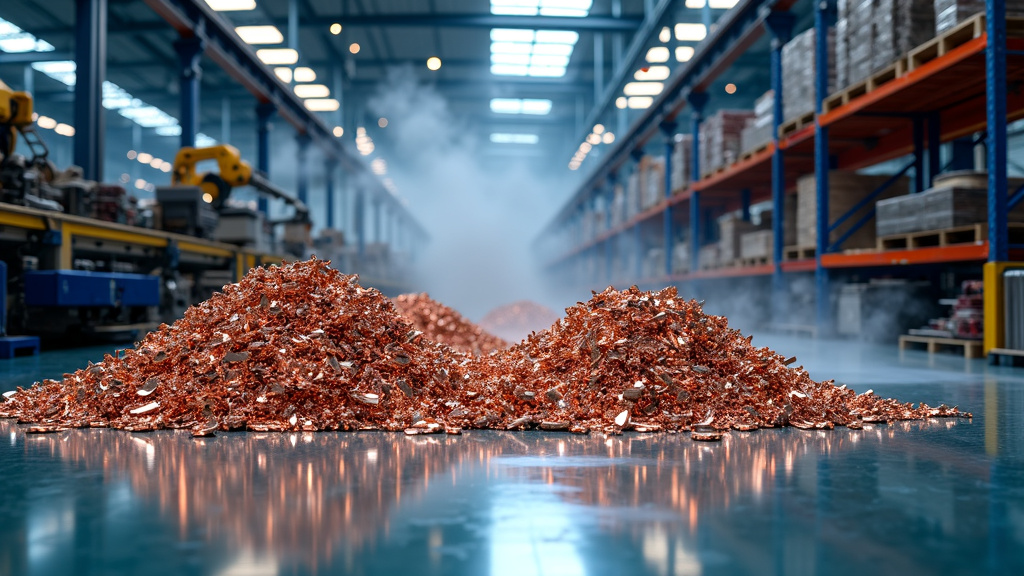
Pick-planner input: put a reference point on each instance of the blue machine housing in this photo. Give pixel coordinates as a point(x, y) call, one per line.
point(91, 289)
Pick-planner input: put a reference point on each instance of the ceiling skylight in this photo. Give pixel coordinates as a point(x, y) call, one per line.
point(507, 138)
point(572, 8)
point(532, 106)
point(15, 40)
point(531, 52)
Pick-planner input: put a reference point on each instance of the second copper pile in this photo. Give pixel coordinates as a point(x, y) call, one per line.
point(446, 326)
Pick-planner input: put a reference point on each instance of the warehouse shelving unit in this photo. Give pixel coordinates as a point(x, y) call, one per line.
point(949, 88)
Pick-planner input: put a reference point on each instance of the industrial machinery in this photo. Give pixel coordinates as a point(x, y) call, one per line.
point(23, 180)
point(196, 203)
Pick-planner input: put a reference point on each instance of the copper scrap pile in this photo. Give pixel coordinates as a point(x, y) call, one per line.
point(515, 321)
point(304, 347)
point(446, 326)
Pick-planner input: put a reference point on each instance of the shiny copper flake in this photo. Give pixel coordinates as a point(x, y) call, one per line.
point(304, 347)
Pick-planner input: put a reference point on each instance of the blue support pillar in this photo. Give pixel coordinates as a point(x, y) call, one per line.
point(669, 131)
point(329, 191)
point(697, 101)
point(189, 50)
point(91, 70)
point(934, 148)
point(918, 136)
point(302, 141)
point(995, 107)
point(638, 241)
point(376, 220)
point(359, 215)
point(264, 110)
point(824, 16)
point(608, 244)
point(780, 25)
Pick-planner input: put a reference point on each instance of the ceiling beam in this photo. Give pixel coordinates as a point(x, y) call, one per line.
point(484, 21)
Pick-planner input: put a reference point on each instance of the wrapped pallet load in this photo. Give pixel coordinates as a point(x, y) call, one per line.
point(798, 66)
point(720, 139)
point(949, 13)
point(758, 130)
point(682, 161)
point(847, 189)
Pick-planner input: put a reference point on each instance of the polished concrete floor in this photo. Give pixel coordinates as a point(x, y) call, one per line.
point(934, 497)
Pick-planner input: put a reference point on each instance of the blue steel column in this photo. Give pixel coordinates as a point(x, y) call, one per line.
point(697, 101)
point(995, 107)
point(359, 215)
point(824, 16)
point(189, 50)
point(934, 147)
point(637, 154)
point(329, 191)
point(608, 243)
point(91, 70)
point(669, 130)
point(302, 151)
point(918, 137)
point(780, 25)
point(263, 112)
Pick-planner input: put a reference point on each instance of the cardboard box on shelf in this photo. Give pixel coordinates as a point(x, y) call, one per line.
point(720, 139)
point(798, 68)
point(847, 189)
point(730, 229)
point(756, 244)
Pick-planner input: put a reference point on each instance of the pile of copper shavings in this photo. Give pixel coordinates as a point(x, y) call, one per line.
point(517, 320)
point(652, 361)
point(446, 326)
point(298, 347)
point(304, 347)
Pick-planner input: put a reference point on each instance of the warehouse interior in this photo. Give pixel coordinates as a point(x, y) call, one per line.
point(664, 287)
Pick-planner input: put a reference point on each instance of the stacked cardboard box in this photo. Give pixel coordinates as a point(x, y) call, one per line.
point(681, 258)
point(936, 209)
point(730, 229)
point(757, 244)
point(842, 61)
point(860, 33)
point(618, 205)
point(633, 194)
point(720, 139)
point(758, 130)
point(846, 190)
point(707, 257)
point(682, 161)
point(949, 13)
point(652, 181)
point(798, 65)
point(900, 25)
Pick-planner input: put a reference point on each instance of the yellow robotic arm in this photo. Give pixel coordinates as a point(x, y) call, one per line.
point(233, 172)
point(15, 115)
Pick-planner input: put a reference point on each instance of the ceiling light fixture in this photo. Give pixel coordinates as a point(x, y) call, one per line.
point(433, 63)
point(335, 28)
point(312, 91)
point(259, 34)
point(304, 74)
point(321, 104)
point(277, 55)
point(231, 5)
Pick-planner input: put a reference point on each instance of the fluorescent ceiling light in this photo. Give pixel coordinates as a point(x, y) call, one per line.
point(684, 53)
point(658, 54)
point(46, 122)
point(277, 55)
point(652, 73)
point(312, 91)
point(640, 102)
point(259, 34)
point(519, 59)
point(694, 3)
point(304, 74)
point(284, 73)
point(642, 88)
point(322, 104)
point(231, 5)
point(15, 40)
point(505, 138)
point(202, 140)
point(62, 71)
point(689, 32)
point(533, 106)
point(572, 8)
point(548, 51)
point(621, 102)
point(168, 130)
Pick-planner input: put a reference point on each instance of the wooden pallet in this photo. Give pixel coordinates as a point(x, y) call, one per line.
point(1005, 357)
point(972, 234)
point(750, 153)
point(960, 235)
point(972, 348)
point(750, 262)
point(796, 124)
point(798, 252)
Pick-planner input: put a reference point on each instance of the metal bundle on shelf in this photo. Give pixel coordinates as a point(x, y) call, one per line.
point(798, 66)
point(900, 25)
point(758, 130)
point(949, 13)
point(720, 139)
point(681, 161)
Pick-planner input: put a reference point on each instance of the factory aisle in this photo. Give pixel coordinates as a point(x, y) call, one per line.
point(932, 497)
